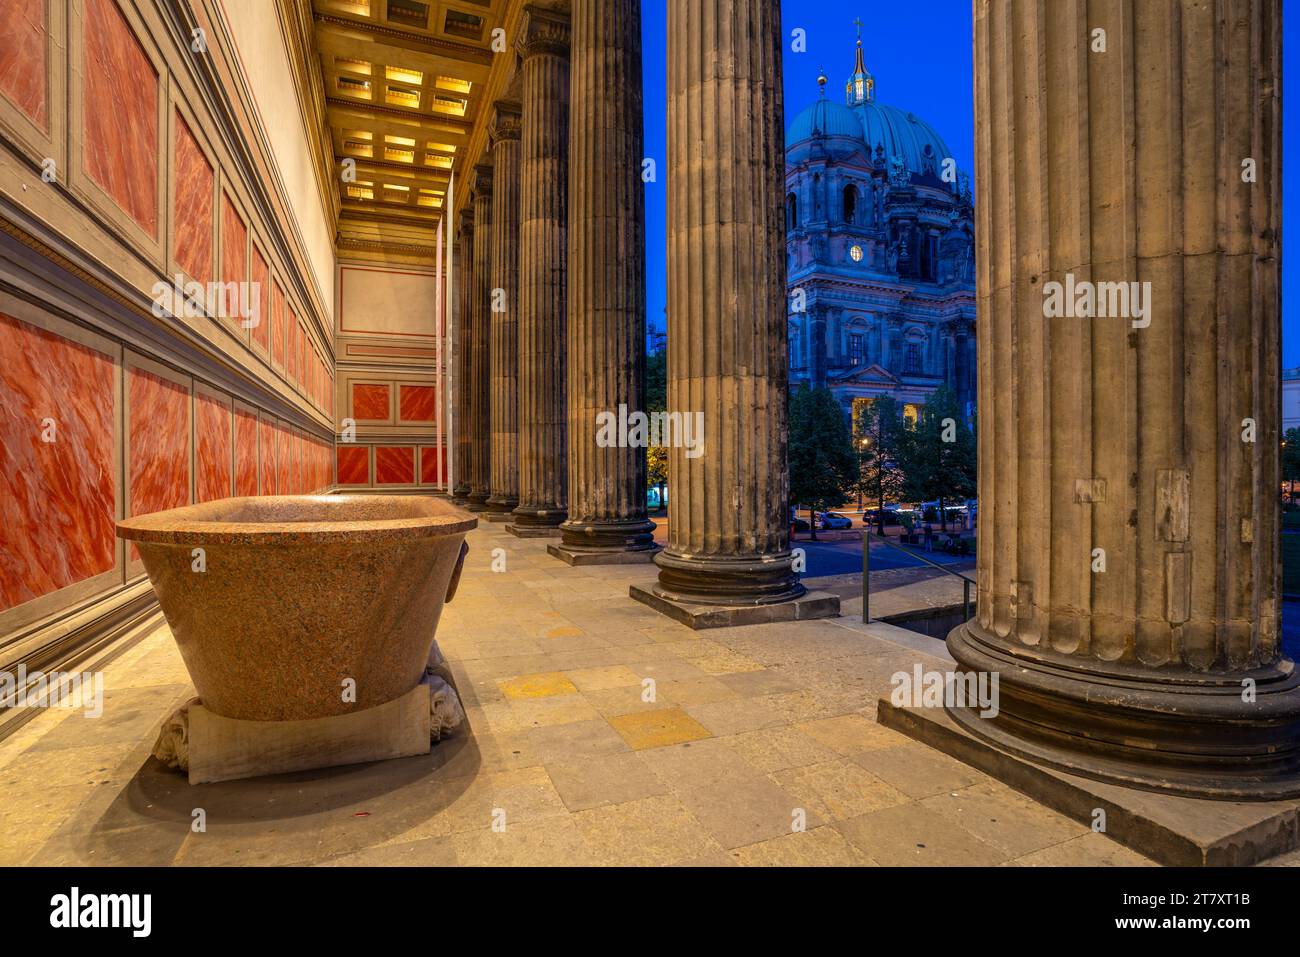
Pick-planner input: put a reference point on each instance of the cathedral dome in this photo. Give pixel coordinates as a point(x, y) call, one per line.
point(901, 134)
point(827, 118)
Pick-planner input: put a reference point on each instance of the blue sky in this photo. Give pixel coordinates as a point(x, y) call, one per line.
point(920, 56)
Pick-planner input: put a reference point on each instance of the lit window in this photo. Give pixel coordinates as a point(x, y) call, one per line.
point(855, 253)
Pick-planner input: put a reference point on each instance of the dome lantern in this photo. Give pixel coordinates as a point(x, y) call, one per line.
point(861, 86)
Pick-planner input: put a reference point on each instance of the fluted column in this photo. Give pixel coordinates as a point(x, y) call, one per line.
point(480, 386)
point(504, 359)
point(1128, 546)
point(606, 295)
point(728, 524)
point(464, 337)
point(543, 251)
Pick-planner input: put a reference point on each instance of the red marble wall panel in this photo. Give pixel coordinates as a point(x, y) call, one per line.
point(24, 68)
point(430, 459)
point(292, 351)
point(212, 437)
point(417, 403)
point(394, 465)
point(192, 206)
point(299, 480)
point(283, 467)
point(369, 401)
point(234, 257)
point(57, 499)
point(353, 465)
point(158, 443)
point(120, 114)
point(277, 325)
point(246, 436)
point(266, 456)
point(262, 281)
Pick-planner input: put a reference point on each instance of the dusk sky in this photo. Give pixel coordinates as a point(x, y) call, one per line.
point(920, 57)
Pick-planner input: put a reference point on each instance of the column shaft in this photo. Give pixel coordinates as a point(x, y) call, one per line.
point(464, 300)
point(480, 452)
point(727, 352)
point(606, 293)
point(504, 359)
point(543, 249)
point(1128, 556)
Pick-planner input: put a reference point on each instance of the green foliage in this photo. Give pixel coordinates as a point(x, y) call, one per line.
point(878, 435)
point(821, 458)
point(938, 454)
point(656, 400)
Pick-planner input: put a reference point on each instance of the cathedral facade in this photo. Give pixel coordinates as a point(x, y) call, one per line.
point(880, 245)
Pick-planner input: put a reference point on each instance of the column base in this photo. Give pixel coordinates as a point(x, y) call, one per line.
point(606, 543)
point(1170, 829)
point(807, 605)
point(530, 521)
point(761, 580)
point(1173, 731)
point(602, 556)
point(477, 501)
point(500, 509)
point(460, 495)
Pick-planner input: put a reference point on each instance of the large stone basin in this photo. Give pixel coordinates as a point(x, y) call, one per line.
point(296, 600)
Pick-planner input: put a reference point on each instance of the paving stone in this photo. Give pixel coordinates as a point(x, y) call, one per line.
point(838, 790)
point(606, 779)
point(912, 835)
point(819, 847)
point(658, 728)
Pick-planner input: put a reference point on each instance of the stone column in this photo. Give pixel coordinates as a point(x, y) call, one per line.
point(479, 385)
point(606, 315)
point(464, 349)
point(504, 316)
point(543, 249)
point(1129, 508)
point(728, 558)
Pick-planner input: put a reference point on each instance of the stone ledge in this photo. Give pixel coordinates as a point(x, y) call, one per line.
point(534, 531)
point(813, 604)
point(586, 556)
point(1168, 828)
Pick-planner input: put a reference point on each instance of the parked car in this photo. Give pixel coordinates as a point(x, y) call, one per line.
point(798, 524)
point(833, 520)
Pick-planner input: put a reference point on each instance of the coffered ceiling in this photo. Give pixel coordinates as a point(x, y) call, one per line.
point(405, 83)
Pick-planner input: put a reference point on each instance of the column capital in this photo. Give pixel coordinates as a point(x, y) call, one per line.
point(506, 123)
point(544, 29)
point(465, 221)
point(480, 180)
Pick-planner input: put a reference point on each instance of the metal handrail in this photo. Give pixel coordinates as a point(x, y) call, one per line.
point(867, 535)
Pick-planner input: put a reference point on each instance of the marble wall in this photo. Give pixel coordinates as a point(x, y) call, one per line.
point(109, 408)
point(120, 113)
point(24, 58)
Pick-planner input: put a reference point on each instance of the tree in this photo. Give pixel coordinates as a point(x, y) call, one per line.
point(656, 400)
point(1291, 459)
point(878, 436)
point(821, 458)
point(938, 454)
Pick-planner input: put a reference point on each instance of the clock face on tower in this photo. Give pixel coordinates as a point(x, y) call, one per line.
point(855, 253)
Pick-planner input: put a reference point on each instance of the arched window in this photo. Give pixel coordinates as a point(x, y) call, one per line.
point(791, 212)
point(913, 358)
point(850, 204)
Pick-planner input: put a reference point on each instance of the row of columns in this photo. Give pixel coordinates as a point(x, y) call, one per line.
point(1128, 568)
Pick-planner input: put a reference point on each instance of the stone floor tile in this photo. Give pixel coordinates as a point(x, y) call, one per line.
point(658, 728)
point(819, 847)
point(912, 835)
point(838, 790)
point(1004, 818)
point(649, 831)
point(536, 686)
point(604, 779)
point(1086, 850)
point(851, 734)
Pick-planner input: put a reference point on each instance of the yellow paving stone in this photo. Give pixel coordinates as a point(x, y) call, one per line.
point(819, 847)
point(599, 679)
point(536, 686)
point(658, 729)
point(565, 631)
point(851, 734)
